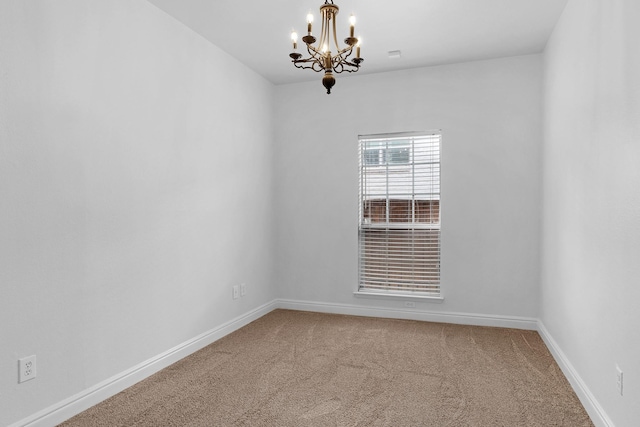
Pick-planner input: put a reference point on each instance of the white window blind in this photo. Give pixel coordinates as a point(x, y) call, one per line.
point(399, 232)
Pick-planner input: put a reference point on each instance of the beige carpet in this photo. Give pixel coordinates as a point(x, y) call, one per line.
point(302, 369)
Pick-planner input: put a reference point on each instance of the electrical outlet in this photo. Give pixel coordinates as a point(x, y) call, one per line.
point(236, 292)
point(243, 289)
point(619, 384)
point(409, 304)
point(27, 368)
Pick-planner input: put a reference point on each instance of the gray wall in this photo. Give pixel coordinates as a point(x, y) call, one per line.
point(490, 116)
point(591, 233)
point(135, 189)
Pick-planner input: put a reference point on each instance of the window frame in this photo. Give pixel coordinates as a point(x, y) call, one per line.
point(363, 226)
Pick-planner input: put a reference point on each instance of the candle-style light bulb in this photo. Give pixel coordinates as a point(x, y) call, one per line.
point(352, 25)
point(294, 39)
point(309, 22)
point(358, 47)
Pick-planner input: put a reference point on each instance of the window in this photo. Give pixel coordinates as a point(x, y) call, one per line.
point(382, 152)
point(399, 227)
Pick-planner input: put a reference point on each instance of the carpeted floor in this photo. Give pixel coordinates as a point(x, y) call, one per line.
point(303, 369)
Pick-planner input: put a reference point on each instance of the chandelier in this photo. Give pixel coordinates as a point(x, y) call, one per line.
point(320, 57)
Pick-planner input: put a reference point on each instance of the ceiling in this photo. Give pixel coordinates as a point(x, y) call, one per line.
point(427, 32)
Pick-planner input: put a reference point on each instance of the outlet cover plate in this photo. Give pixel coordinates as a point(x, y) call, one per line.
point(619, 380)
point(26, 368)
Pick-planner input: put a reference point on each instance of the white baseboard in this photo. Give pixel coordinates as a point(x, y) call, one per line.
point(82, 401)
point(413, 314)
point(591, 405)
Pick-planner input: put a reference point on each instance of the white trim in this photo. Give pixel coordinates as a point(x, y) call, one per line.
point(67, 408)
point(400, 135)
point(588, 400)
point(398, 296)
point(413, 314)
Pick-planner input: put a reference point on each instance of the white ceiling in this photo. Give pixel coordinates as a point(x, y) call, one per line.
point(428, 32)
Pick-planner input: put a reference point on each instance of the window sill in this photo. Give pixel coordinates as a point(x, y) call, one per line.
point(398, 296)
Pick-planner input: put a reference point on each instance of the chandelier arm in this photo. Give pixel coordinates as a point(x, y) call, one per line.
point(323, 32)
point(305, 67)
point(319, 57)
point(316, 57)
point(348, 70)
point(344, 65)
point(338, 62)
point(341, 56)
point(316, 65)
point(313, 52)
point(335, 38)
point(348, 50)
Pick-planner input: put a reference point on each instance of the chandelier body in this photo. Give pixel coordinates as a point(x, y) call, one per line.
point(320, 56)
